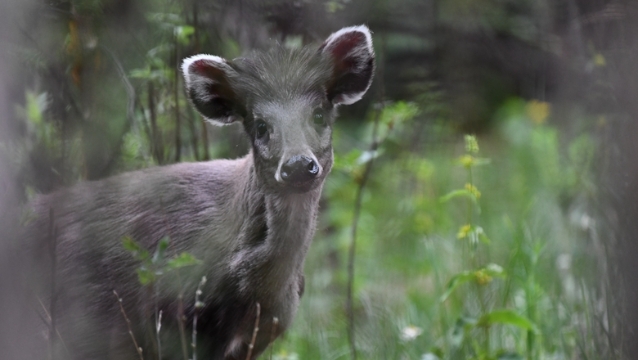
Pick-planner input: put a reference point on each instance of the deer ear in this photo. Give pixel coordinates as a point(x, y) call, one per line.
point(350, 50)
point(208, 84)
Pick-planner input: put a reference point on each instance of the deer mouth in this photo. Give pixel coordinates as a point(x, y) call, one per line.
point(303, 186)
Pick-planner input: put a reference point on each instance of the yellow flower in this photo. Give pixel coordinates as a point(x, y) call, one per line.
point(464, 231)
point(538, 111)
point(482, 277)
point(473, 190)
point(467, 160)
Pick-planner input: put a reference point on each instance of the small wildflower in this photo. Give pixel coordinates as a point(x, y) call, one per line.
point(538, 111)
point(473, 190)
point(467, 160)
point(410, 333)
point(464, 231)
point(471, 145)
point(599, 60)
point(482, 277)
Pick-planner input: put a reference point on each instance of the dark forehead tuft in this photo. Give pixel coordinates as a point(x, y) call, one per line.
point(282, 73)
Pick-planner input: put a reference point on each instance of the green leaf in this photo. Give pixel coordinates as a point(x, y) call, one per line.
point(183, 32)
point(458, 193)
point(182, 260)
point(456, 281)
point(145, 276)
point(482, 274)
point(135, 249)
point(507, 317)
point(160, 251)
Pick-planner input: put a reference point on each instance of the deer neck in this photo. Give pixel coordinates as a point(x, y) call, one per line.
point(276, 236)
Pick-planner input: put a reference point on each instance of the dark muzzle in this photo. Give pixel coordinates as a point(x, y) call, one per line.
point(299, 169)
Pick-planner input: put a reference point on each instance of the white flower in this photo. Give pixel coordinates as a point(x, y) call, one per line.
point(410, 333)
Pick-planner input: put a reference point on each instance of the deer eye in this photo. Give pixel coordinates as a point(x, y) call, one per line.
point(261, 127)
point(319, 117)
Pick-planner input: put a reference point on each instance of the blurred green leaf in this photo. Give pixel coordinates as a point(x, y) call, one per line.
point(160, 251)
point(145, 276)
point(183, 33)
point(135, 249)
point(458, 193)
point(456, 281)
point(506, 317)
point(182, 260)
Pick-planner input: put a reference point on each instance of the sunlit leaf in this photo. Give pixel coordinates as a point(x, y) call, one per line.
point(459, 193)
point(506, 317)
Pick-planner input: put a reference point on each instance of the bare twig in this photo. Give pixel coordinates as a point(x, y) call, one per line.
point(52, 253)
point(198, 305)
point(180, 323)
point(47, 321)
point(158, 328)
point(128, 324)
point(273, 334)
point(249, 355)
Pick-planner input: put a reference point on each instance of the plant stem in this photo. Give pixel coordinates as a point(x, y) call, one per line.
point(353, 240)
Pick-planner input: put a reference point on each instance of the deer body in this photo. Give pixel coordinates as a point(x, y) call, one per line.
point(250, 221)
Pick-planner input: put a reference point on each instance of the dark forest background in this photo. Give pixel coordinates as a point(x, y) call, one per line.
point(499, 194)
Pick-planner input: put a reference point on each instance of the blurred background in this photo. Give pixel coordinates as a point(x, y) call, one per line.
point(489, 177)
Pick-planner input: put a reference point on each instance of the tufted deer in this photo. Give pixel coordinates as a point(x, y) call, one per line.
point(250, 221)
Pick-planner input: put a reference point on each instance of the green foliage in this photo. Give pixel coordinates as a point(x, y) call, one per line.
point(152, 267)
point(429, 282)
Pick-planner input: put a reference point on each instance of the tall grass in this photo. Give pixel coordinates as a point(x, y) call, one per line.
point(458, 256)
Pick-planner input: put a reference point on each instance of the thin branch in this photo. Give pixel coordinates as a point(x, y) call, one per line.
point(53, 253)
point(198, 305)
point(180, 323)
point(47, 321)
point(249, 355)
point(353, 239)
point(273, 334)
point(128, 324)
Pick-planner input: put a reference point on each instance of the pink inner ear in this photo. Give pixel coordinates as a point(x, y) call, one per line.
point(206, 69)
point(346, 42)
point(200, 67)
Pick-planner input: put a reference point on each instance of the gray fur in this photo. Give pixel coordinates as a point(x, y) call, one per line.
point(250, 229)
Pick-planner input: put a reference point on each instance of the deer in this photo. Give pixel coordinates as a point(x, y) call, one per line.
point(249, 221)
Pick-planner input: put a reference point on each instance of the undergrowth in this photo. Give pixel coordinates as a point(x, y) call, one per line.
point(464, 251)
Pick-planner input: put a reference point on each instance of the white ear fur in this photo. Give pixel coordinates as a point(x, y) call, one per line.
point(189, 78)
point(363, 50)
point(358, 28)
point(186, 63)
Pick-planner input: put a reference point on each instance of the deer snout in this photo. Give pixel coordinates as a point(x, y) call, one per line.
point(300, 169)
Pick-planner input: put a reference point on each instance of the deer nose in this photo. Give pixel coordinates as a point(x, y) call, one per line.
point(299, 169)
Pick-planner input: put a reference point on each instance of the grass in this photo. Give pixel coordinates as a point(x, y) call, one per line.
point(457, 260)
